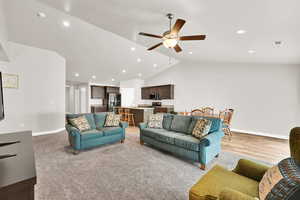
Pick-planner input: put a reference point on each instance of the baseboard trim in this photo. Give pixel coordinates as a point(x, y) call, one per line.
point(261, 134)
point(48, 132)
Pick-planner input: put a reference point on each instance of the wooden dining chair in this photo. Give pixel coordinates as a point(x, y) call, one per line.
point(226, 116)
point(197, 112)
point(208, 111)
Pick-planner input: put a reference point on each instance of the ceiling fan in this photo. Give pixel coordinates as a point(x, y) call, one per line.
point(171, 37)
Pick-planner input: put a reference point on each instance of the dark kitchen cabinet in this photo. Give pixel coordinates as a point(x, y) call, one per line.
point(158, 92)
point(96, 109)
point(97, 92)
point(113, 90)
point(159, 109)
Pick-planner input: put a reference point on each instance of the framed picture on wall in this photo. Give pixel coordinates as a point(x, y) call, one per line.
point(10, 81)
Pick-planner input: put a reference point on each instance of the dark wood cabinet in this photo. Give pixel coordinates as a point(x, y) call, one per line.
point(97, 92)
point(110, 89)
point(159, 109)
point(95, 109)
point(158, 92)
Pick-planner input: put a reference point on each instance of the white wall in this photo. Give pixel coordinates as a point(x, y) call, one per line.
point(39, 103)
point(3, 34)
point(77, 97)
point(266, 98)
point(131, 92)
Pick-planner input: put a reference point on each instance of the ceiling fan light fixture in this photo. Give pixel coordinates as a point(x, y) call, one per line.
point(170, 43)
point(170, 38)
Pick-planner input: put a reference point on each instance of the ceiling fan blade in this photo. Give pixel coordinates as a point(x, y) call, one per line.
point(150, 35)
point(178, 25)
point(155, 46)
point(193, 37)
point(177, 48)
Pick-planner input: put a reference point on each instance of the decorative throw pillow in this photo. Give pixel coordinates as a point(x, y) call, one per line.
point(281, 181)
point(112, 120)
point(156, 121)
point(80, 123)
point(201, 128)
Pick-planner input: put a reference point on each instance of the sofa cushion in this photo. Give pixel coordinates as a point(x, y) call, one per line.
point(100, 120)
point(201, 128)
point(181, 123)
point(111, 130)
point(167, 121)
point(166, 137)
point(161, 135)
point(149, 132)
point(215, 123)
point(281, 181)
point(80, 123)
point(219, 178)
point(187, 142)
point(89, 117)
point(156, 120)
point(91, 134)
point(112, 120)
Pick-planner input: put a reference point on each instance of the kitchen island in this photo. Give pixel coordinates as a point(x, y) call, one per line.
point(141, 114)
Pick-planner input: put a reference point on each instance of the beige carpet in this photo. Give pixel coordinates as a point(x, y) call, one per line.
point(126, 171)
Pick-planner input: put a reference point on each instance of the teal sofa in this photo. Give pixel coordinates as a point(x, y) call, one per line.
point(176, 137)
point(97, 136)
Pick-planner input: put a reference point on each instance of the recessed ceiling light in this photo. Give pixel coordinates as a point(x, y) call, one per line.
point(251, 51)
point(139, 60)
point(278, 43)
point(139, 74)
point(240, 32)
point(41, 15)
point(190, 52)
point(112, 79)
point(66, 23)
point(154, 65)
point(124, 70)
point(132, 48)
point(76, 75)
point(94, 77)
point(67, 7)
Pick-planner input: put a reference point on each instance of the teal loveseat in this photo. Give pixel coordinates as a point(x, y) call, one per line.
point(97, 136)
point(176, 137)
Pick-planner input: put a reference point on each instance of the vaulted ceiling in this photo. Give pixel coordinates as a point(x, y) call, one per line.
point(89, 50)
point(101, 33)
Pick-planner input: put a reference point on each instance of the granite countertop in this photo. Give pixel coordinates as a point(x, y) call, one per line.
point(136, 108)
point(97, 105)
point(162, 106)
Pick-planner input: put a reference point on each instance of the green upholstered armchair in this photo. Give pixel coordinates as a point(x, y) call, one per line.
point(222, 184)
point(240, 183)
point(295, 143)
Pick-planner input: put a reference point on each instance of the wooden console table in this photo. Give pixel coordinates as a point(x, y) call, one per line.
point(17, 171)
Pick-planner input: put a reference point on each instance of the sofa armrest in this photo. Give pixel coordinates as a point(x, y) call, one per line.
point(74, 136)
point(72, 130)
point(142, 125)
point(123, 124)
point(251, 169)
point(212, 138)
point(229, 194)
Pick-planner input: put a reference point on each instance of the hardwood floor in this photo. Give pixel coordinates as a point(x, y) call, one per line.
point(271, 150)
point(262, 148)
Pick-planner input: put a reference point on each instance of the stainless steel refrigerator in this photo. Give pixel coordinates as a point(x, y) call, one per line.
point(113, 100)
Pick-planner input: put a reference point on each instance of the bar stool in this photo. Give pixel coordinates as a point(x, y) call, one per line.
point(129, 117)
point(122, 113)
